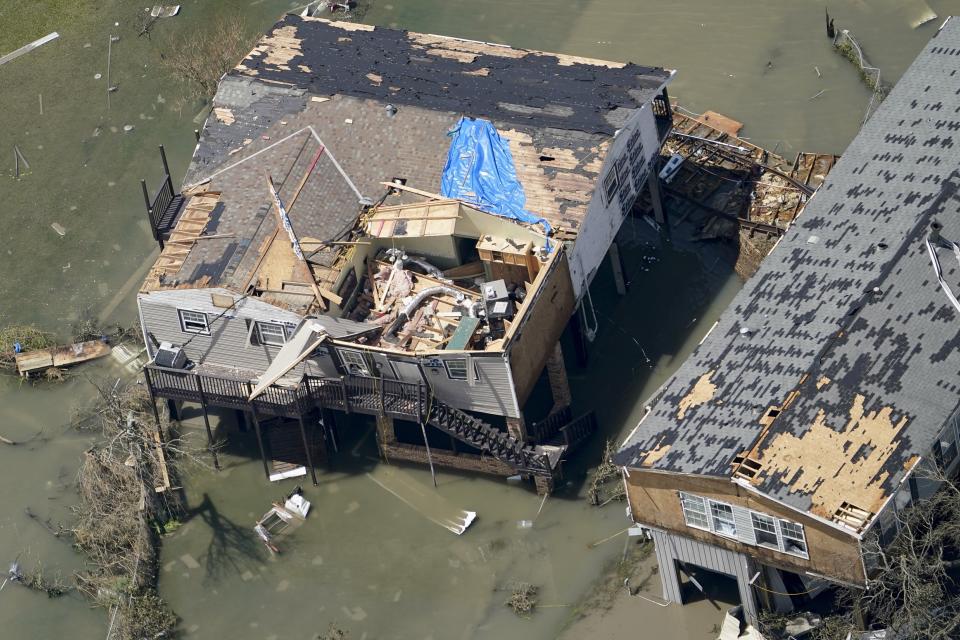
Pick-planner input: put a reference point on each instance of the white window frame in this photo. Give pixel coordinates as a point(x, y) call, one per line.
point(195, 321)
point(802, 539)
point(687, 501)
point(715, 507)
point(774, 530)
point(467, 366)
point(361, 363)
point(273, 339)
point(701, 513)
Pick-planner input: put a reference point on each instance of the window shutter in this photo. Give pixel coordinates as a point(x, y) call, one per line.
point(744, 525)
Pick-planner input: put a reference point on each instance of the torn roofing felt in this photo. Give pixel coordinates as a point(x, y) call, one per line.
point(435, 72)
point(837, 364)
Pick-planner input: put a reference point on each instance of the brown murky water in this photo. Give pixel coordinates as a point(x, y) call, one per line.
point(377, 565)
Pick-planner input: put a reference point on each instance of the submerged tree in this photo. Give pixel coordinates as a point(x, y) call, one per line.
point(914, 588)
point(200, 60)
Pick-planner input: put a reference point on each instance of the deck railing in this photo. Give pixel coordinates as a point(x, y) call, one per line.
point(579, 430)
point(360, 394)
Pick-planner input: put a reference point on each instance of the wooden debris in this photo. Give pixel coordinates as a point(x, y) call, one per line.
point(42, 359)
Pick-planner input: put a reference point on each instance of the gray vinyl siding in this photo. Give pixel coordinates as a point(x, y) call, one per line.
point(671, 548)
point(744, 522)
point(228, 344)
point(491, 393)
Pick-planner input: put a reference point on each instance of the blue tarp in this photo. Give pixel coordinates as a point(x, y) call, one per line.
point(480, 171)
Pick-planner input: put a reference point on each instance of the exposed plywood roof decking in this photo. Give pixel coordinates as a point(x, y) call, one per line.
point(844, 331)
point(432, 218)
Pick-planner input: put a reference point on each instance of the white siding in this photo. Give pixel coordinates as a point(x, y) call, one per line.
point(603, 219)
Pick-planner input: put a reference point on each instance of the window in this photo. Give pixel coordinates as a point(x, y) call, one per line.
point(456, 369)
point(271, 333)
point(723, 522)
point(793, 540)
point(694, 511)
point(946, 452)
point(194, 321)
point(610, 184)
point(353, 362)
point(765, 530)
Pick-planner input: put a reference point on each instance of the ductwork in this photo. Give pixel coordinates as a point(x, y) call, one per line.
point(471, 308)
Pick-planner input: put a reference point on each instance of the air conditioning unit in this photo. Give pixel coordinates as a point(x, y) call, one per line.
point(170, 356)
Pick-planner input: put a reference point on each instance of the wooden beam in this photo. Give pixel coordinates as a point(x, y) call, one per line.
point(277, 204)
point(419, 192)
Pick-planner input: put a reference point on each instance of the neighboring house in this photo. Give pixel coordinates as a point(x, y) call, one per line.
point(451, 201)
point(808, 417)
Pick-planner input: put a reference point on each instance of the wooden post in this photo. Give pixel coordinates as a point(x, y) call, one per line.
point(174, 410)
point(517, 427)
point(617, 263)
point(206, 423)
point(241, 420)
point(163, 158)
point(306, 449)
point(256, 427)
point(653, 182)
point(153, 403)
point(329, 422)
point(146, 200)
point(433, 474)
point(579, 340)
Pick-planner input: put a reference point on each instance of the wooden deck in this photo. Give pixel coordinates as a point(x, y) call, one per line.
point(351, 394)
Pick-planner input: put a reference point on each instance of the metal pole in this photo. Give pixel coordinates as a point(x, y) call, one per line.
point(433, 474)
point(306, 449)
point(256, 427)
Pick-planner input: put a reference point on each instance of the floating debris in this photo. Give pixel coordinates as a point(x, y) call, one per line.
point(59, 228)
point(27, 48)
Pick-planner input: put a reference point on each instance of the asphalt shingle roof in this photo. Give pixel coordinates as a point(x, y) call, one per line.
point(844, 328)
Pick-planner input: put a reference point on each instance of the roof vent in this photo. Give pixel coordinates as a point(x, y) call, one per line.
point(746, 331)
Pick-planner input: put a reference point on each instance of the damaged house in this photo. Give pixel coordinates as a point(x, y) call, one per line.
point(398, 225)
point(816, 408)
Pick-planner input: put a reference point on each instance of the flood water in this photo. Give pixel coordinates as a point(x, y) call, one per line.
point(365, 559)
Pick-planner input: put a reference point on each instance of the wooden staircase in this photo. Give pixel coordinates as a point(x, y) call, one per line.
point(480, 435)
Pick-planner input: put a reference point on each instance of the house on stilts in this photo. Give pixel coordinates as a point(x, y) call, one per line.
point(826, 400)
point(400, 225)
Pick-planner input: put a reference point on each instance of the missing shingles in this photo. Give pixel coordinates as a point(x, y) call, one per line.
point(701, 393)
point(654, 455)
point(819, 463)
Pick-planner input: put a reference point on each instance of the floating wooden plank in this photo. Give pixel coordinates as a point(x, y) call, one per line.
point(40, 359)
